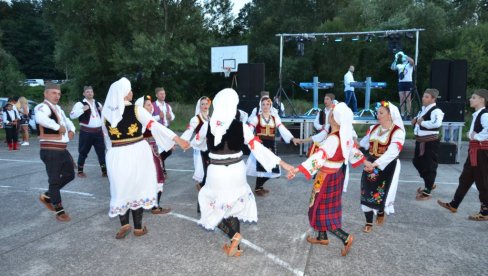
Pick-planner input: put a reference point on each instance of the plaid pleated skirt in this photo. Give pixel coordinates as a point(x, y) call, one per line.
point(325, 211)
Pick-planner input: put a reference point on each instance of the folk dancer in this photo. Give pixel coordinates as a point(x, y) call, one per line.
point(474, 169)
point(325, 208)
point(146, 103)
point(55, 130)
point(200, 156)
point(266, 124)
point(10, 121)
point(426, 129)
point(379, 181)
point(130, 166)
point(88, 111)
point(226, 198)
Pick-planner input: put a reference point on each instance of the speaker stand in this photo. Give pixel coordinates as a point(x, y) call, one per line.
point(282, 91)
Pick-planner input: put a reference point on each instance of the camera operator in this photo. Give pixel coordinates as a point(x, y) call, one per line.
point(404, 65)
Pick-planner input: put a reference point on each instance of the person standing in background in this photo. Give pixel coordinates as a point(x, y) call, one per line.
point(164, 115)
point(351, 100)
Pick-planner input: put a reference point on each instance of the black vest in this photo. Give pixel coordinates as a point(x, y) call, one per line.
point(10, 119)
point(128, 128)
point(85, 117)
point(232, 140)
point(322, 117)
point(426, 117)
point(49, 130)
point(478, 127)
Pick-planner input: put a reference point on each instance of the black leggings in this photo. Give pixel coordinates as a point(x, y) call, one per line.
point(136, 217)
point(230, 226)
point(260, 182)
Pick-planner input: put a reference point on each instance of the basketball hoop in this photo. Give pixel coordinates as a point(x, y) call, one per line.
point(227, 71)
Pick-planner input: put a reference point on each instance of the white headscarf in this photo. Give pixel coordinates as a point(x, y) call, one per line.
point(197, 108)
point(114, 106)
point(224, 111)
point(343, 116)
point(395, 116)
point(140, 102)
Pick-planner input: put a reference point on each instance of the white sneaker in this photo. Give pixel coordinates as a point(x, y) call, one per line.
point(24, 144)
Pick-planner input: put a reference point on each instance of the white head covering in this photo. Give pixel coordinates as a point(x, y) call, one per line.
point(395, 116)
point(343, 116)
point(197, 108)
point(224, 111)
point(114, 106)
point(140, 102)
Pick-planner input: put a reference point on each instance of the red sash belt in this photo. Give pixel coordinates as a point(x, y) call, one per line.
point(474, 146)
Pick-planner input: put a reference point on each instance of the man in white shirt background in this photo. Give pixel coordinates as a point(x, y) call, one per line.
point(426, 129)
point(88, 111)
point(351, 100)
point(164, 115)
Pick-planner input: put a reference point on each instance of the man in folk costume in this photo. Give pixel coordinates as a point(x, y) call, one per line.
point(55, 130)
point(130, 166)
point(163, 114)
point(10, 120)
point(475, 167)
point(266, 125)
point(88, 112)
point(146, 103)
point(321, 121)
point(325, 209)
point(426, 129)
point(226, 198)
point(379, 181)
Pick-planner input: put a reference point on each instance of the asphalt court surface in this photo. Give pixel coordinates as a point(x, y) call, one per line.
point(420, 238)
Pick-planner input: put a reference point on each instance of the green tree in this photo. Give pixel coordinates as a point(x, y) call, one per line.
point(27, 36)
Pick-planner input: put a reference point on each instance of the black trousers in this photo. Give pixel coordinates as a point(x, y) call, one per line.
point(11, 134)
point(470, 174)
point(87, 140)
point(427, 164)
point(60, 171)
point(164, 155)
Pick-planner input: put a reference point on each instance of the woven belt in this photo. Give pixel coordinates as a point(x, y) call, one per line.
point(127, 142)
point(226, 162)
point(52, 145)
point(427, 138)
point(91, 129)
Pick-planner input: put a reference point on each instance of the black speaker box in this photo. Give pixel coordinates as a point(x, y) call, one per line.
point(458, 80)
point(250, 81)
point(453, 111)
point(447, 153)
point(439, 78)
point(248, 105)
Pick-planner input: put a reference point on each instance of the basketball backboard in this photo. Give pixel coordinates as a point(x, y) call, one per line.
point(227, 57)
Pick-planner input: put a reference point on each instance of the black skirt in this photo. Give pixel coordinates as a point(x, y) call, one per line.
point(376, 184)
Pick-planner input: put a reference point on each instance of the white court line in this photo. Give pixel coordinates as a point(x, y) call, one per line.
point(64, 191)
point(274, 258)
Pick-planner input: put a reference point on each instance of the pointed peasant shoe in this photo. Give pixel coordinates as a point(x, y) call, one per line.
point(233, 248)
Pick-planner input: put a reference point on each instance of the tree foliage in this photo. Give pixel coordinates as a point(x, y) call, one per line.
point(167, 42)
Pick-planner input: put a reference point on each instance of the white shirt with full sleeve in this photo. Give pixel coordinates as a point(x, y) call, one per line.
point(318, 124)
point(164, 107)
point(43, 112)
point(13, 115)
point(392, 152)
point(95, 121)
point(436, 117)
point(482, 135)
point(348, 78)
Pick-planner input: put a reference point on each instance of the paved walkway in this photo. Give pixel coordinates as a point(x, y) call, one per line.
point(419, 239)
